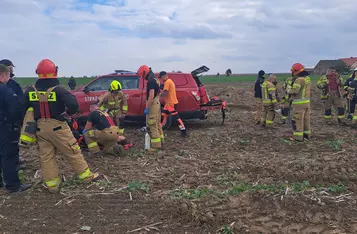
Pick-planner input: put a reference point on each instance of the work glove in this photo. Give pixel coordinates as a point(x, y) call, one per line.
point(146, 111)
point(289, 89)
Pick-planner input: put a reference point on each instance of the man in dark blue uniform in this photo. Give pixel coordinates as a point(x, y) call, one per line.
point(16, 88)
point(10, 116)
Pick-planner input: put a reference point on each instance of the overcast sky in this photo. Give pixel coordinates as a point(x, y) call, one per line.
point(90, 37)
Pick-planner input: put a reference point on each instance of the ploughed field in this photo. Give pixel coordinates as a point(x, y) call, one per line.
point(235, 178)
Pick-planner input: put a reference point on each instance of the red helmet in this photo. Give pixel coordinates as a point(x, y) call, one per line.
point(143, 71)
point(297, 68)
point(46, 69)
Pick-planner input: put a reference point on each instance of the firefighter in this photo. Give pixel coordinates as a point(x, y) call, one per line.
point(351, 97)
point(285, 102)
point(153, 107)
point(300, 96)
point(100, 129)
point(353, 92)
point(116, 103)
point(169, 93)
point(16, 88)
point(10, 114)
point(331, 86)
point(52, 104)
point(258, 96)
point(269, 99)
point(72, 83)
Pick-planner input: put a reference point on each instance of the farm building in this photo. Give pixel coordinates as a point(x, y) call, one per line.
point(323, 65)
point(352, 61)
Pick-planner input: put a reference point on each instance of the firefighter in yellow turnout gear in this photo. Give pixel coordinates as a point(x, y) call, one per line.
point(300, 95)
point(50, 103)
point(115, 101)
point(100, 129)
point(269, 101)
point(153, 108)
point(331, 86)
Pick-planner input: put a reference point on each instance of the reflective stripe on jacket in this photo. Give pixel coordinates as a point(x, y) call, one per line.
point(268, 93)
point(300, 91)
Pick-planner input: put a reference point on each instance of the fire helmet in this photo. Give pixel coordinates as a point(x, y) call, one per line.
point(143, 71)
point(115, 86)
point(46, 69)
point(297, 68)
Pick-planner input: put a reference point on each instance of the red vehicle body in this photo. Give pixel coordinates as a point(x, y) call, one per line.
point(194, 101)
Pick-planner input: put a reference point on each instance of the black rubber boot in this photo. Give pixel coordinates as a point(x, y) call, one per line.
point(22, 188)
point(184, 133)
point(119, 150)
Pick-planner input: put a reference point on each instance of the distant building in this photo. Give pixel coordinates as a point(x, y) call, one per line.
point(323, 65)
point(351, 62)
point(354, 66)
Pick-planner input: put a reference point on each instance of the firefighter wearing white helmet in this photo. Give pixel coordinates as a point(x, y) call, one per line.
point(116, 103)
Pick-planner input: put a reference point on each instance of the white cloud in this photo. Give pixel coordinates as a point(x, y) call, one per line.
point(97, 36)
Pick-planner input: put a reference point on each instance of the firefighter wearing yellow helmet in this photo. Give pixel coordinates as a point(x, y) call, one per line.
point(116, 103)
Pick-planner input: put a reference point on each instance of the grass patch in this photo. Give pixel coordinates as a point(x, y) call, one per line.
point(226, 229)
point(237, 189)
point(192, 193)
point(137, 186)
point(23, 82)
point(335, 144)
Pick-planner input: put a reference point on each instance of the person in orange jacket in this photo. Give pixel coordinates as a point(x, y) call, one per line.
point(171, 101)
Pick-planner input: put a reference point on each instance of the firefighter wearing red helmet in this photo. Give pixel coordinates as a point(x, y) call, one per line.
point(153, 108)
point(51, 104)
point(299, 89)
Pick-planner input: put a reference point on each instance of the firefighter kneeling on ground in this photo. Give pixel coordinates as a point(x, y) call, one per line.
point(300, 95)
point(48, 104)
point(100, 129)
point(115, 101)
point(270, 102)
point(331, 86)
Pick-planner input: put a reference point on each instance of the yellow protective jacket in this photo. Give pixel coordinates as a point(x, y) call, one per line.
point(288, 82)
point(117, 102)
point(28, 130)
point(268, 93)
point(300, 91)
point(322, 84)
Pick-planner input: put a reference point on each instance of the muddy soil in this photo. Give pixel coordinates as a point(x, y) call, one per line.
point(235, 178)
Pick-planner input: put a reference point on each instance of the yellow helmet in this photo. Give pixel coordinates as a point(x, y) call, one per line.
point(115, 85)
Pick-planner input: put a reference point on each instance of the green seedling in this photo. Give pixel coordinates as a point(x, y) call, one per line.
point(226, 229)
point(138, 186)
point(335, 144)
